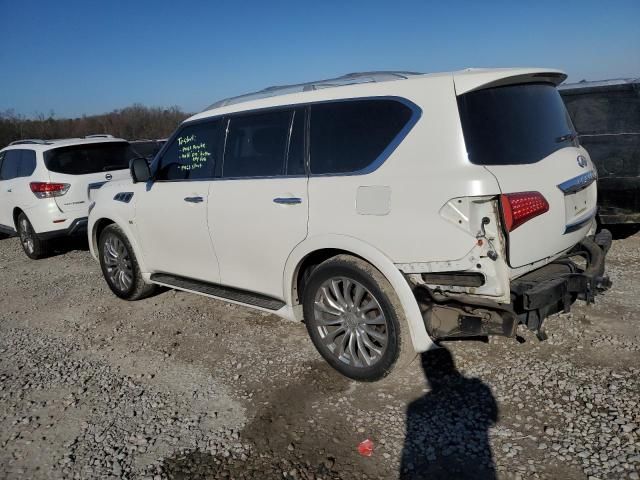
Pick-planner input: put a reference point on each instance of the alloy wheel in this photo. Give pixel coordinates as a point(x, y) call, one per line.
point(350, 322)
point(26, 235)
point(117, 262)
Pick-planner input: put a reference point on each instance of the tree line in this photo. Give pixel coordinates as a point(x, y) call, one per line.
point(131, 123)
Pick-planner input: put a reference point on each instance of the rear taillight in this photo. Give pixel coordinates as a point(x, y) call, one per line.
point(48, 190)
point(518, 208)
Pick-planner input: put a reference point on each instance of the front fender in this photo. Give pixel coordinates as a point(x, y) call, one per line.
point(419, 336)
point(124, 219)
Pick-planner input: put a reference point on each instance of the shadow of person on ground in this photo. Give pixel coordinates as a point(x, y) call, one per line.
point(448, 427)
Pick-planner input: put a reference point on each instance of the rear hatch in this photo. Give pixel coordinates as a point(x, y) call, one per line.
point(522, 134)
point(85, 167)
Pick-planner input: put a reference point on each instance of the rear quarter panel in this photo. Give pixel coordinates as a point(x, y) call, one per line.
point(425, 171)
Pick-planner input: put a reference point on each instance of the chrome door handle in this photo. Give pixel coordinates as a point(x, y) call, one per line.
point(287, 200)
point(194, 199)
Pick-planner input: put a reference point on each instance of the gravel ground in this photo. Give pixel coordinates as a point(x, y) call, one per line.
point(181, 386)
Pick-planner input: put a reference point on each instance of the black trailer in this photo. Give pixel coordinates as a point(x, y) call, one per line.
point(607, 117)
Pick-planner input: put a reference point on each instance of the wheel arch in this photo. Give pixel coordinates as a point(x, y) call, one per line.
point(97, 229)
point(97, 226)
point(16, 213)
point(315, 250)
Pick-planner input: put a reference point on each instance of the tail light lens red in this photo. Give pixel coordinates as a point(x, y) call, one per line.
point(518, 208)
point(48, 190)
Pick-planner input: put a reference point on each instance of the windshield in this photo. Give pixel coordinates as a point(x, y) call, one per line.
point(89, 158)
point(516, 124)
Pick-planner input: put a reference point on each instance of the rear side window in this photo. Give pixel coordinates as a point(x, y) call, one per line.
point(257, 145)
point(89, 158)
point(514, 125)
point(349, 136)
point(27, 163)
point(192, 154)
point(17, 163)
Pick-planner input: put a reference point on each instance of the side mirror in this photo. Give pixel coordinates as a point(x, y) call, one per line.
point(140, 171)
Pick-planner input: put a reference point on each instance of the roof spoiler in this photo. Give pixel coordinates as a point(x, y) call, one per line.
point(478, 79)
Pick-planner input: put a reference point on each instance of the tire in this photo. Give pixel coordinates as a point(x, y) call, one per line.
point(376, 340)
point(33, 247)
point(120, 267)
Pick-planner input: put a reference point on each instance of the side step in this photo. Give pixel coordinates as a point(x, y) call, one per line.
point(234, 294)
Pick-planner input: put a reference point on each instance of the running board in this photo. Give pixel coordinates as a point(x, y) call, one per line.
point(220, 291)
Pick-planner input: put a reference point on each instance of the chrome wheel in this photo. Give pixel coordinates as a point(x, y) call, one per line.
point(26, 235)
point(117, 263)
point(350, 322)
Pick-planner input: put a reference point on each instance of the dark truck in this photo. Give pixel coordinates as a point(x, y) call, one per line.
point(606, 116)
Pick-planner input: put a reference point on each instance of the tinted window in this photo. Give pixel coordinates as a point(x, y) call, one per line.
point(296, 158)
point(350, 136)
point(192, 154)
point(89, 158)
point(27, 163)
point(611, 110)
point(257, 145)
point(10, 164)
point(146, 150)
point(514, 125)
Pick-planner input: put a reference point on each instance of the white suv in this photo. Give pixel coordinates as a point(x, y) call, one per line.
point(387, 210)
point(45, 184)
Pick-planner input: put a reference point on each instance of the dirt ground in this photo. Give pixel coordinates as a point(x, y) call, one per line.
point(182, 386)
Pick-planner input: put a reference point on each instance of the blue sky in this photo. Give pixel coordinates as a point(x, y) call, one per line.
point(85, 57)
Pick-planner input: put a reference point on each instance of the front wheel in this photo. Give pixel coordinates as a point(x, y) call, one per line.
point(355, 320)
point(34, 247)
point(119, 265)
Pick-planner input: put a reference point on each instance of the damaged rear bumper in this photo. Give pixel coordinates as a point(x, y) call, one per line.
point(556, 286)
point(579, 274)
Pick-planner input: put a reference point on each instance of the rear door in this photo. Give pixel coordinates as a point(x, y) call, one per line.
point(6, 219)
point(258, 209)
point(523, 135)
point(84, 167)
point(17, 166)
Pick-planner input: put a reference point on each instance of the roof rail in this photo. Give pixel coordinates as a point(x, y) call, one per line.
point(30, 141)
point(348, 79)
point(99, 135)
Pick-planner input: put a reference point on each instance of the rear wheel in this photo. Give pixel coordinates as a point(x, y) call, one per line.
point(119, 265)
point(355, 320)
point(34, 247)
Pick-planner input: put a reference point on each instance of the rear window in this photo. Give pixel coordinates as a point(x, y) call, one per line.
point(89, 158)
point(514, 125)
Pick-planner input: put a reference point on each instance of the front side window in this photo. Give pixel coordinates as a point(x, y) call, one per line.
point(17, 163)
point(349, 136)
point(192, 154)
point(89, 158)
point(257, 145)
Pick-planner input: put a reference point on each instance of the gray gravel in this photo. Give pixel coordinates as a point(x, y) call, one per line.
point(180, 386)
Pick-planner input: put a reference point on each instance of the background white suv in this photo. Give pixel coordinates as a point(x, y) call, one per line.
point(387, 210)
point(45, 184)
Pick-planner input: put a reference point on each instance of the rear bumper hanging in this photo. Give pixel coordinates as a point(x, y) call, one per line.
point(535, 296)
point(556, 286)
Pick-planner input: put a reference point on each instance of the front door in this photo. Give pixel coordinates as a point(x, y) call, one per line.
point(258, 208)
point(171, 211)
